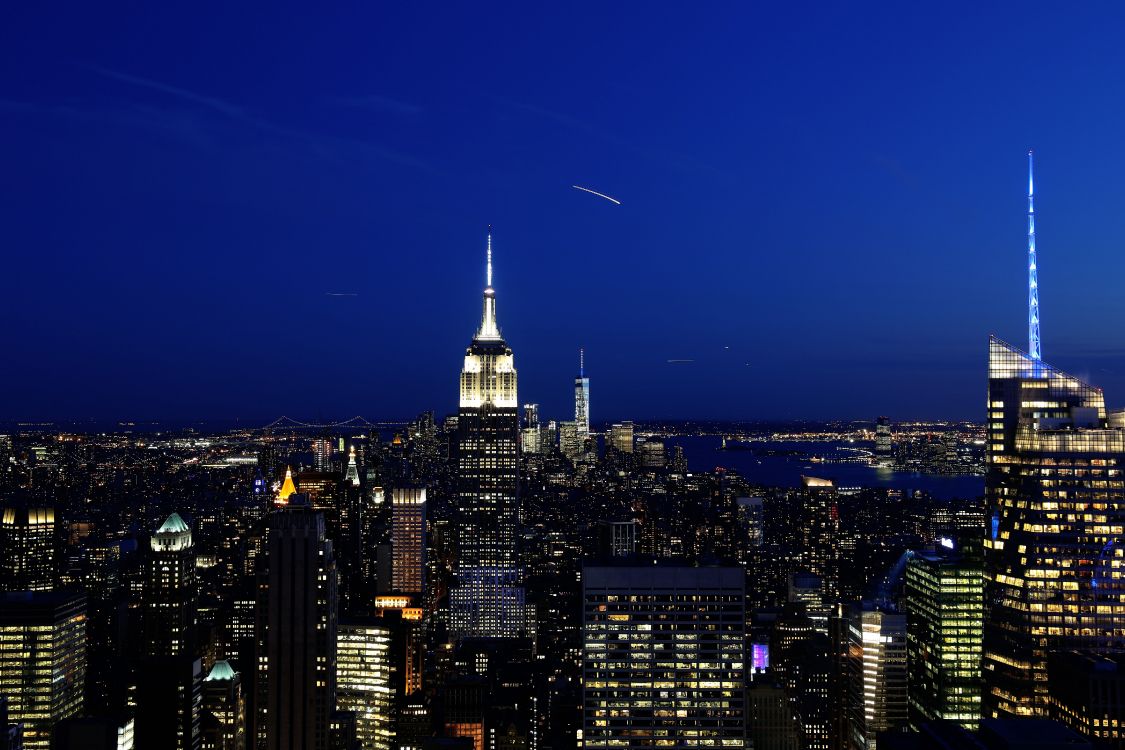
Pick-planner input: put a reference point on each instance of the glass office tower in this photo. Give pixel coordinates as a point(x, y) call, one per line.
point(1056, 539)
point(42, 660)
point(944, 604)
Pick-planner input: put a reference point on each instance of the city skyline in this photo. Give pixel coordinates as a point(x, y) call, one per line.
point(220, 223)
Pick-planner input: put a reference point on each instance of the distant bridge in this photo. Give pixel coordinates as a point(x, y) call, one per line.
point(288, 423)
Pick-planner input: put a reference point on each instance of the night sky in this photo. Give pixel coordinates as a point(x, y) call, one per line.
point(823, 207)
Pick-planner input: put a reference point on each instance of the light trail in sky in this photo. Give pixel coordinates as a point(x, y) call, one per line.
point(595, 192)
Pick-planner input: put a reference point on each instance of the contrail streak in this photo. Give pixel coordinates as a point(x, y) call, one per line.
point(595, 192)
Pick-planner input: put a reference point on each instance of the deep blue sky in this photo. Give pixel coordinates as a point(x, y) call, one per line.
point(835, 193)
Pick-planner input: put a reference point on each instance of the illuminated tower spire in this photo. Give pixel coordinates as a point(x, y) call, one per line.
point(352, 474)
point(1032, 270)
point(488, 328)
point(582, 398)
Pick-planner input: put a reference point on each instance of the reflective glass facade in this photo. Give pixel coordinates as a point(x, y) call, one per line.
point(42, 660)
point(363, 680)
point(944, 601)
point(1055, 547)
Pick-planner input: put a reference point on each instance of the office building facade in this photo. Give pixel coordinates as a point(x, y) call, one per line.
point(1054, 556)
point(664, 656)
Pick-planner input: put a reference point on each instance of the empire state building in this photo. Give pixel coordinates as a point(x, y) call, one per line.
point(488, 601)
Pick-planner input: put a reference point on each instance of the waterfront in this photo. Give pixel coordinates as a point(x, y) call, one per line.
point(768, 463)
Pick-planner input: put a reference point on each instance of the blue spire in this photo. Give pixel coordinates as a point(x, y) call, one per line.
point(1032, 270)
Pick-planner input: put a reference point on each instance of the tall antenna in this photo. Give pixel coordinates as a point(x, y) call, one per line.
point(489, 256)
point(581, 363)
point(1032, 270)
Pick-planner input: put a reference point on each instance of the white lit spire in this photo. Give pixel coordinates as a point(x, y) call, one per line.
point(489, 331)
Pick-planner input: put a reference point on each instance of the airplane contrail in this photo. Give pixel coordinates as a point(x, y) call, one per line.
point(341, 294)
point(595, 192)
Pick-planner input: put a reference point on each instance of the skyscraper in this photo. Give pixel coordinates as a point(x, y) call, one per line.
point(224, 709)
point(351, 476)
point(570, 442)
point(169, 675)
point(1054, 555)
point(408, 539)
point(169, 596)
point(819, 532)
point(877, 690)
point(364, 686)
point(884, 443)
point(27, 549)
point(582, 400)
point(944, 601)
point(296, 632)
point(488, 600)
point(42, 660)
point(322, 454)
point(621, 437)
point(664, 656)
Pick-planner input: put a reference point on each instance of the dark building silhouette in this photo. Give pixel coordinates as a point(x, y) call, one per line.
point(296, 632)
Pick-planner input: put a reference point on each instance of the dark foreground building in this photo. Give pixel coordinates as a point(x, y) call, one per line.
point(664, 656)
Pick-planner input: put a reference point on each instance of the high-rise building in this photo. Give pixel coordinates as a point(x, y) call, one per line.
point(1087, 693)
point(488, 600)
point(27, 549)
point(408, 539)
point(884, 443)
point(296, 632)
point(772, 724)
point(42, 660)
point(570, 443)
point(582, 399)
point(877, 693)
point(751, 515)
point(944, 602)
point(288, 488)
point(664, 656)
point(621, 437)
point(1054, 556)
point(819, 530)
point(224, 709)
point(364, 686)
point(170, 590)
point(351, 476)
point(169, 674)
point(800, 661)
point(652, 453)
point(322, 454)
point(531, 433)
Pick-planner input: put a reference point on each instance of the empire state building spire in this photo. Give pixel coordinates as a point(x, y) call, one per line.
point(489, 331)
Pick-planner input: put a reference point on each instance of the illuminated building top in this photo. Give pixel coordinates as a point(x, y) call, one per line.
point(287, 487)
point(352, 474)
point(489, 374)
point(172, 535)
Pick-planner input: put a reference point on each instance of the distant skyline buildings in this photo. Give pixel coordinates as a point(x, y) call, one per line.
point(582, 399)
